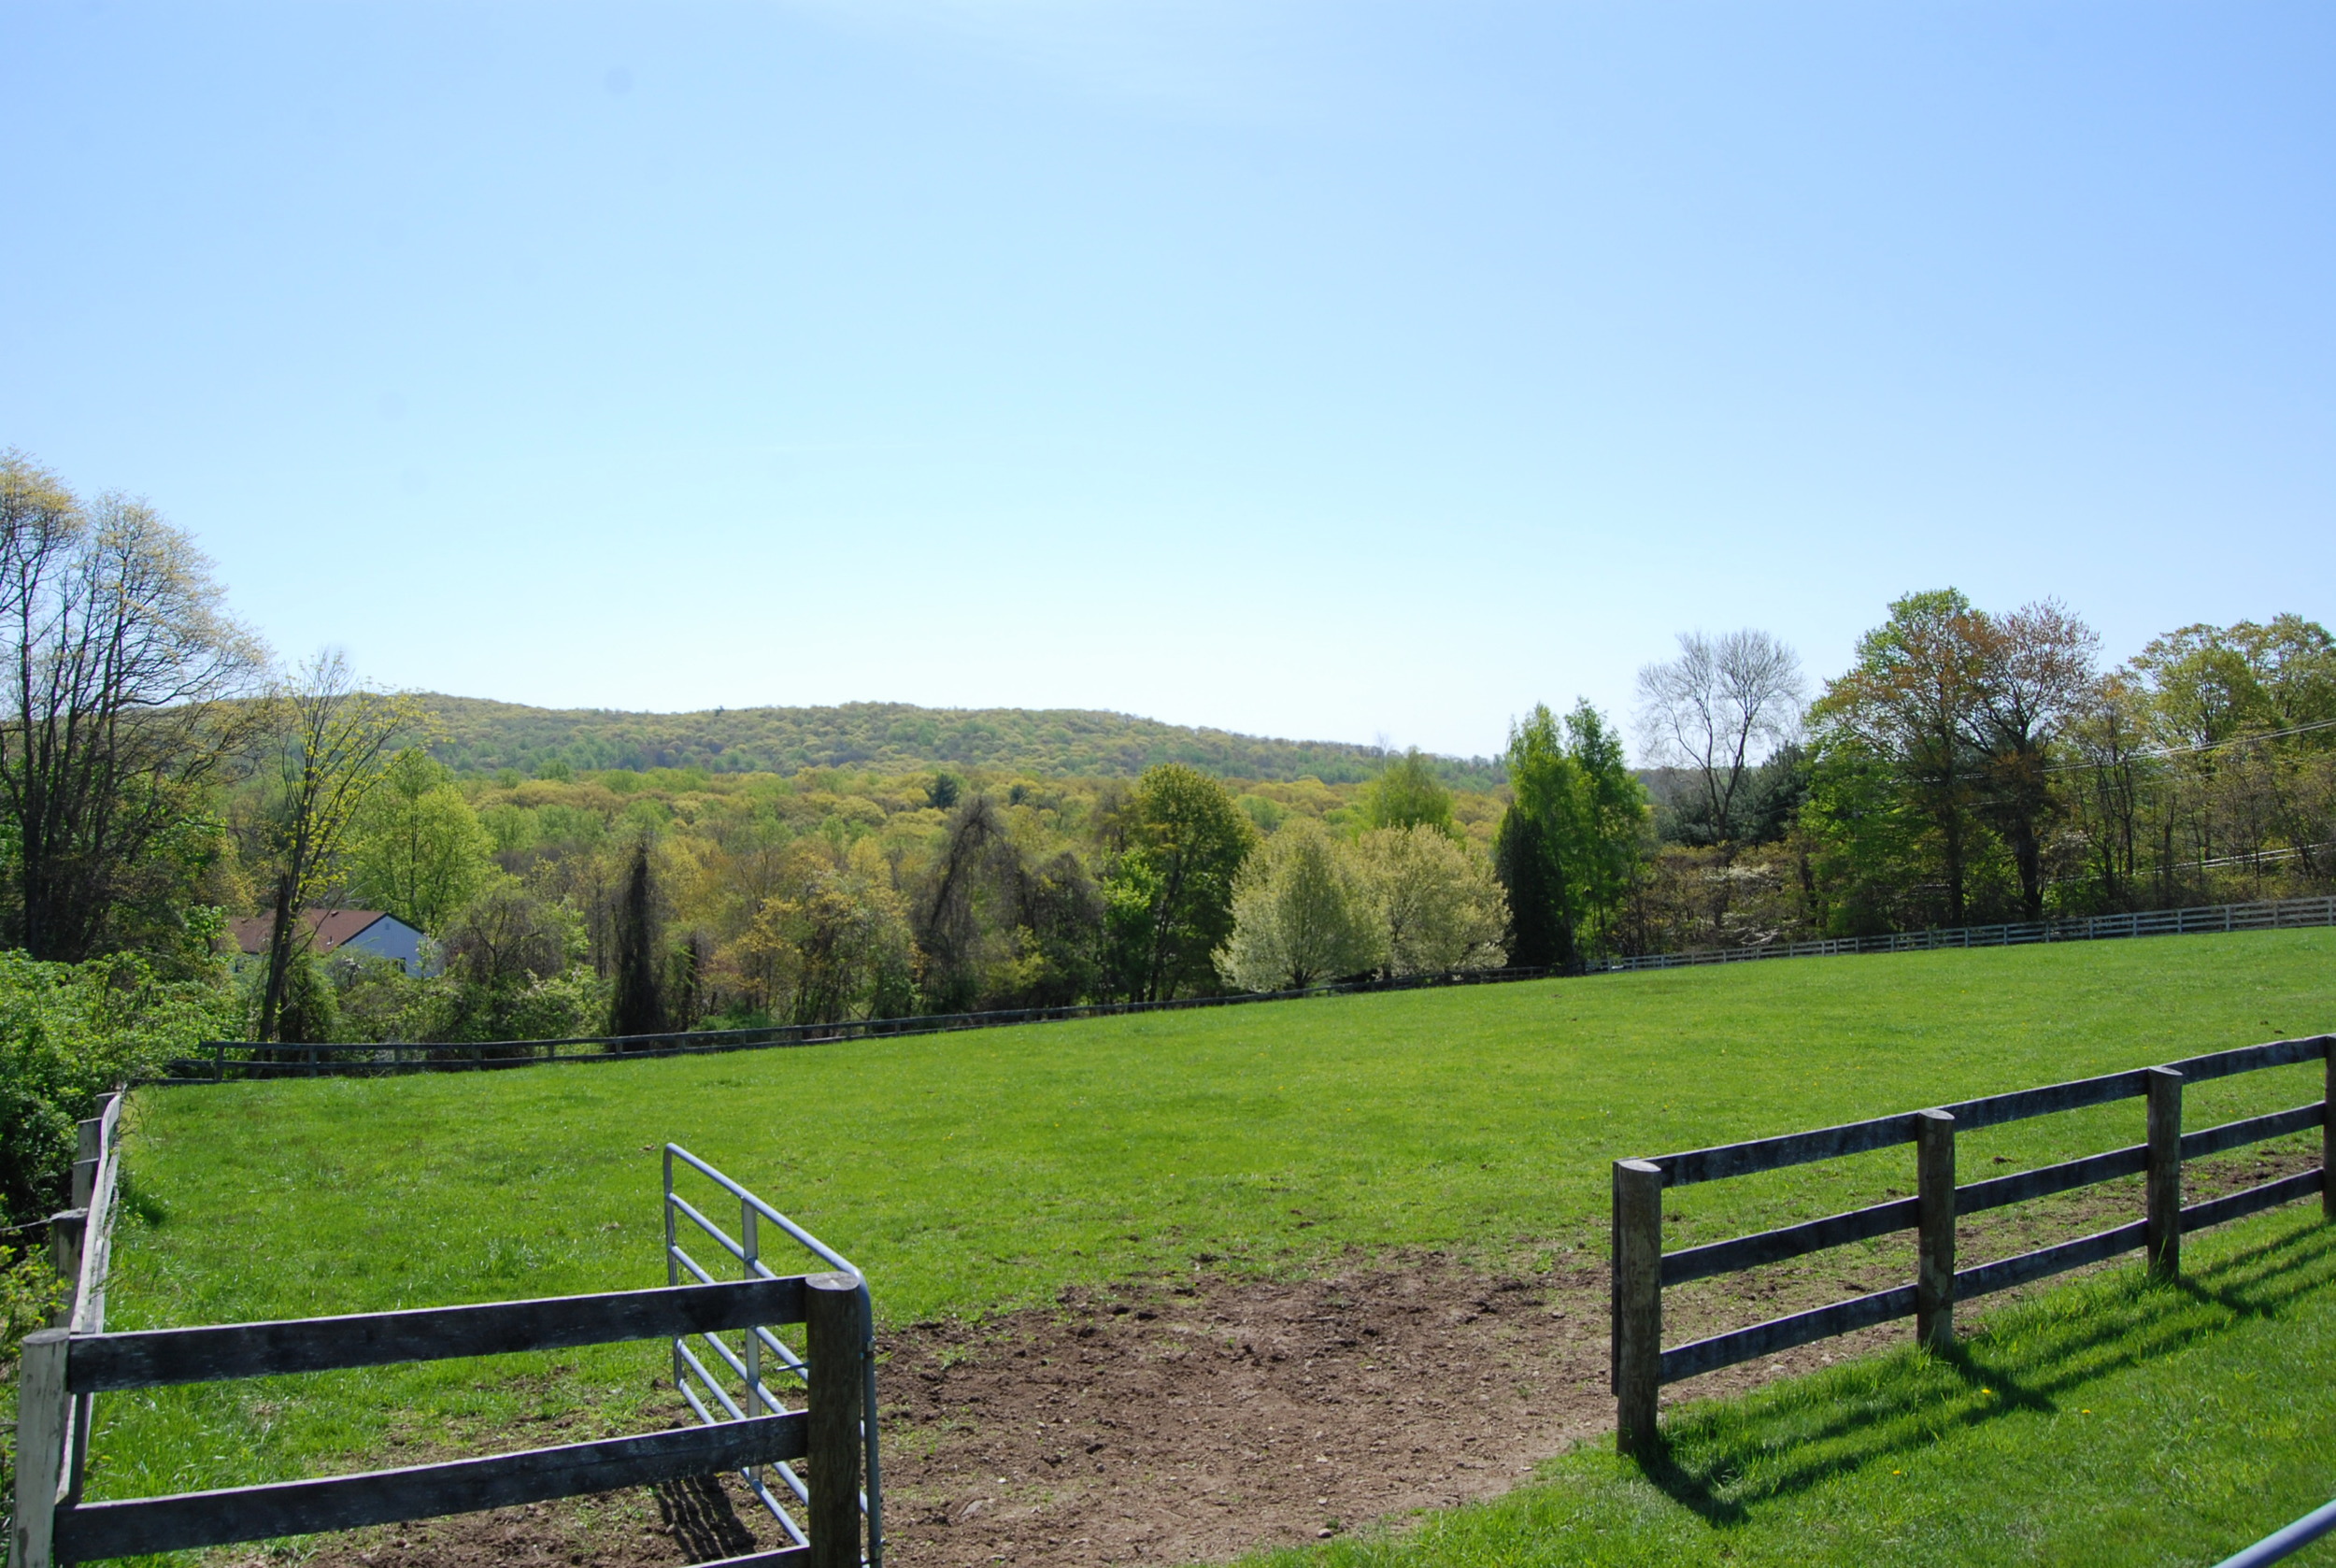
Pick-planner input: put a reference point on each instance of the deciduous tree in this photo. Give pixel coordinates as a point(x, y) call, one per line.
point(1301, 914)
point(2035, 679)
point(333, 745)
point(120, 658)
point(1407, 793)
point(419, 850)
point(1572, 840)
point(1186, 840)
point(1910, 704)
point(1437, 901)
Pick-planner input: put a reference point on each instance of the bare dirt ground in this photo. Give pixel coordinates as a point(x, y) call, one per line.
point(1193, 1419)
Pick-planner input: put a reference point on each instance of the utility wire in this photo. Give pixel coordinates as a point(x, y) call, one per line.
point(2156, 751)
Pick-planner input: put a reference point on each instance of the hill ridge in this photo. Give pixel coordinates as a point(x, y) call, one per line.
point(485, 734)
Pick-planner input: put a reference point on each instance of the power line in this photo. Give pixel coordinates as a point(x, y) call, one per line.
point(2158, 751)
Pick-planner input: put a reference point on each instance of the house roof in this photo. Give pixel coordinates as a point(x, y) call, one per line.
point(324, 929)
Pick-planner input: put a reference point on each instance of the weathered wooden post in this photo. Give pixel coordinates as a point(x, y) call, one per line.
point(41, 1419)
point(2328, 1138)
point(1637, 1351)
point(85, 1159)
point(69, 1232)
point(833, 1336)
point(2164, 1236)
point(1934, 1242)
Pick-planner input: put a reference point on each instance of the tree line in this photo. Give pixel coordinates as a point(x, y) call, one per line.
point(160, 774)
point(1975, 767)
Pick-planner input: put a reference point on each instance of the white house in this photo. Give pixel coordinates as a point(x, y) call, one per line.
point(331, 930)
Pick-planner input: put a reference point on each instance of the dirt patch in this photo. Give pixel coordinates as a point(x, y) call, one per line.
point(1193, 1419)
point(697, 1521)
point(1198, 1422)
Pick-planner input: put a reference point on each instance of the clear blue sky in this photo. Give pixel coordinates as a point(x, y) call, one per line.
point(1316, 370)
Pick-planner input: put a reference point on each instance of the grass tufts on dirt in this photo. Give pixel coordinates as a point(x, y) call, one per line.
point(2109, 1420)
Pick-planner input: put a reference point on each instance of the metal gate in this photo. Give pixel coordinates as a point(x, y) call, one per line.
point(763, 1368)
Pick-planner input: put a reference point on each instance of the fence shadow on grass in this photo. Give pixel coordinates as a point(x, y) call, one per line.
point(1724, 1460)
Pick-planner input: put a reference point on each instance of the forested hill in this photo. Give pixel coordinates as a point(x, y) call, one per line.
point(484, 737)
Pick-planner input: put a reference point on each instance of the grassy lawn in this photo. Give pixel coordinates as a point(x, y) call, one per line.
point(2109, 1421)
point(983, 1170)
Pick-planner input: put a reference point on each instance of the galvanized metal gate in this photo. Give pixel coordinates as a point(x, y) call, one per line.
point(763, 1368)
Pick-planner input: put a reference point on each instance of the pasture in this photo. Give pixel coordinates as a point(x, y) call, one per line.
point(973, 1174)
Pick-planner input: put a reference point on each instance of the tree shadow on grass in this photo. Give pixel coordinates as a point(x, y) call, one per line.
point(1724, 1459)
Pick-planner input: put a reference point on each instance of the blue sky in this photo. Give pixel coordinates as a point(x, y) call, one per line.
point(1329, 371)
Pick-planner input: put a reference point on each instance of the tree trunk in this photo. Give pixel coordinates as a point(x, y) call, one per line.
point(280, 940)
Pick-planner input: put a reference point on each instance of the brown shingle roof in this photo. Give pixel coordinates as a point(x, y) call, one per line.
point(326, 929)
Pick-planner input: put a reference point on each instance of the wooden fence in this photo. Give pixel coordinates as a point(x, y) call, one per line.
point(2269, 915)
point(67, 1365)
point(223, 1060)
point(1640, 1364)
point(62, 1368)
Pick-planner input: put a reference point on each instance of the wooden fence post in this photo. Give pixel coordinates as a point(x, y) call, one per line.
point(85, 1159)
point(2165, 1172)
point(832, 1343)
point(1934, 1244)
point(2328, 1139)
point(41, 1407)
point(69, 1232)
point(1638, 1305)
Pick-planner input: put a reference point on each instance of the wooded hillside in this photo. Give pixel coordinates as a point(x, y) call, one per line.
point(485, 737)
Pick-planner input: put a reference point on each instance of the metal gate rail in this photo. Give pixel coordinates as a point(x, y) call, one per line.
point(746, 1363)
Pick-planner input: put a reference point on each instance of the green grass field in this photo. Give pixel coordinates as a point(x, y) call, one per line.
point(974, 1172)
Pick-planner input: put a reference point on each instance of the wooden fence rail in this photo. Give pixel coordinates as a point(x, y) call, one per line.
point(1640, 1364)
point(2264, 914)
point(63, 1367)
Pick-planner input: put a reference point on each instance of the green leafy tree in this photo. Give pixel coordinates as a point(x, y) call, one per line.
point(1570, 845)
point(419, 850)
point(1302, 914)
point(1186, 840)
point(1407, 794)
point(2036, 682)
point(514, 971)
point(1437, 901)
point(1909, 705)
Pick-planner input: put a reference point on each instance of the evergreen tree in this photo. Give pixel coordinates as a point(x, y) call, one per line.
point(639, 1005)
point(1531, 878)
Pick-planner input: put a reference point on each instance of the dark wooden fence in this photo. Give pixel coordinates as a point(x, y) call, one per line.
point(62, 1368)
point(2268, 915)
point(1640, 1363)
point(223, 1060)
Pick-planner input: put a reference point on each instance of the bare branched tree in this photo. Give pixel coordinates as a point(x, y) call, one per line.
point(120, 663)
point(1718, 710)
point(334, 744)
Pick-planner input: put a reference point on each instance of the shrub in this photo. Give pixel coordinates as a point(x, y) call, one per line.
point(69, 1034)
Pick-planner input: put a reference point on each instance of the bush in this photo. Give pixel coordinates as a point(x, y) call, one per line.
point(69, 1034)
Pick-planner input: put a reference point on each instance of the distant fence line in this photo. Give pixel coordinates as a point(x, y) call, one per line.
point(2271, 914)
point(226, 1058)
